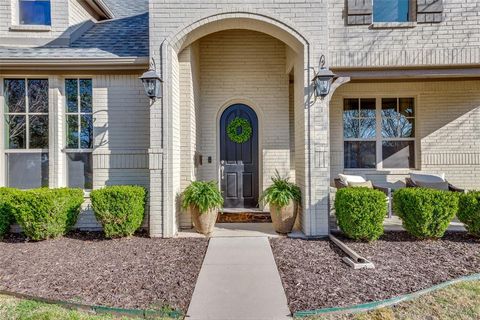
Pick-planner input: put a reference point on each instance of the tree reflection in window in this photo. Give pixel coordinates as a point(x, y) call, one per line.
point(79, 113)
point(26, 129)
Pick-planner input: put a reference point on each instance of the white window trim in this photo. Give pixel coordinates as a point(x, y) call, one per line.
point(378, 136)
point(66, 150)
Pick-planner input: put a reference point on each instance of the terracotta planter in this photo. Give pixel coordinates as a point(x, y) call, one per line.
point(284, 218)
point(205, 222)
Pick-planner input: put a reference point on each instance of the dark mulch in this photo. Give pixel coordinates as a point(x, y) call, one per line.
point(136, 272)
point(314, 275)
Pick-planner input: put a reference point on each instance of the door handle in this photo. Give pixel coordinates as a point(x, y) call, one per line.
point(222, 169)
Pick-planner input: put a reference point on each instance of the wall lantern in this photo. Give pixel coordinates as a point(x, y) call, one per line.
point(323, 79)
point(152, 82)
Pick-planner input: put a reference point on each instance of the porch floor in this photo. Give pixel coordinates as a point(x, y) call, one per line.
point(229, 230)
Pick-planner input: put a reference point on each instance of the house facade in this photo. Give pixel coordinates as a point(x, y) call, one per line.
point(406, 97)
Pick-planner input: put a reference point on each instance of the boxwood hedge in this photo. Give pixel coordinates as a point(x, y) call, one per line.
point(120, 209)
point(46, 213)
point(360, 212)
point(6, 210)
point(425, 213)
point(469, 212)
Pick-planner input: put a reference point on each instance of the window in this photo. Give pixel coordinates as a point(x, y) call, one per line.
point(359, 132)
point(35, 12)
point(26, 132)
point(79, 130)
point(392, 133)
point(391, 10)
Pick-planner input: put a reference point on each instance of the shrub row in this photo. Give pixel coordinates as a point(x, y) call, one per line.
point(50, 213)
point(425, 213)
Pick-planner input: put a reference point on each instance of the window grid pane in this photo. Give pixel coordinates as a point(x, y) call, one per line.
point(26, 128)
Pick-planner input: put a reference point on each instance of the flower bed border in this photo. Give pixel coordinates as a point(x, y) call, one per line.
point(142, 313)
point(364, 307)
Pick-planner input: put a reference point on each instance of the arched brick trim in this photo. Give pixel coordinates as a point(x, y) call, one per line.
point(175, 39)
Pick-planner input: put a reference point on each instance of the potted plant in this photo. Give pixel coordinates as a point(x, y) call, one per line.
point(204, 200)
point(284, 198)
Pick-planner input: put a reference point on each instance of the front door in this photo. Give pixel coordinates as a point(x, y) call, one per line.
point(239, 158)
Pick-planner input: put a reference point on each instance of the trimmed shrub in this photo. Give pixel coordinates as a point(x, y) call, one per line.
point(47, 213)
point(425, 213)
point(120, 209)
point(360, 212)
point(6, 210)
point(469, 212)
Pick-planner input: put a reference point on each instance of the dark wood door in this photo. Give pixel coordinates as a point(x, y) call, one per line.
point(239, 161)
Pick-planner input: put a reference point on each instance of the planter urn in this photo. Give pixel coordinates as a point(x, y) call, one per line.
point(204, 223)
point(284, 218)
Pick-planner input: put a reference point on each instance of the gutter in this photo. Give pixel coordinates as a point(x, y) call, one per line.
point(73, 63)
point(101, 8)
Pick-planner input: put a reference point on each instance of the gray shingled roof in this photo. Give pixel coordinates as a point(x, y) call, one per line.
point(125, 8)
point(117, 38)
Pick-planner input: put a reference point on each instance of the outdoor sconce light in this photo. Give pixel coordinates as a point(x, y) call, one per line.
point(152, 82)
point(323, 79)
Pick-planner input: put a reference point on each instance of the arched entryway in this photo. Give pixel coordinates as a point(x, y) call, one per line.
point(239, 165)
point(236, 57)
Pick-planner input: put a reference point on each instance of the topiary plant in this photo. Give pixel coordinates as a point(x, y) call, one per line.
point(46, 213)
point(469, 212)
point(120, 209)
point(425, 213)
point(360, 212)
point(202, 195)
point(281, 192)
point(6, 210)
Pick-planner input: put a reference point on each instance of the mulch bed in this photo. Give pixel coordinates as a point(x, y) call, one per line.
point(315, 277)
point(136, 272)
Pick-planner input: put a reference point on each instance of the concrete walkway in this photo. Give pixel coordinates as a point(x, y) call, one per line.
point(239, 280)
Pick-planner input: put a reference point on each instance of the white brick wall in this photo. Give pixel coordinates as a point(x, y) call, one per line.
point(456, 40)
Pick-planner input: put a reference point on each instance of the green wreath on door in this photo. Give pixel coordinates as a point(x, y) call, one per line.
point(245, 132)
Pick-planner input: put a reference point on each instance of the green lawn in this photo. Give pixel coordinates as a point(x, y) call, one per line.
point(459, 302)
point(17, 309)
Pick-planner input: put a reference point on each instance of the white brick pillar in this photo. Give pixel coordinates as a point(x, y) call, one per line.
point(317, 181)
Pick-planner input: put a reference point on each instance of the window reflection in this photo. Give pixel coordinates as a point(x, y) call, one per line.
point(390, 10)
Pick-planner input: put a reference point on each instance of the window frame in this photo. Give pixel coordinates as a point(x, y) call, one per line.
point(6, 150)
point(19, 15)
point(379, 137)
point(78, 113)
